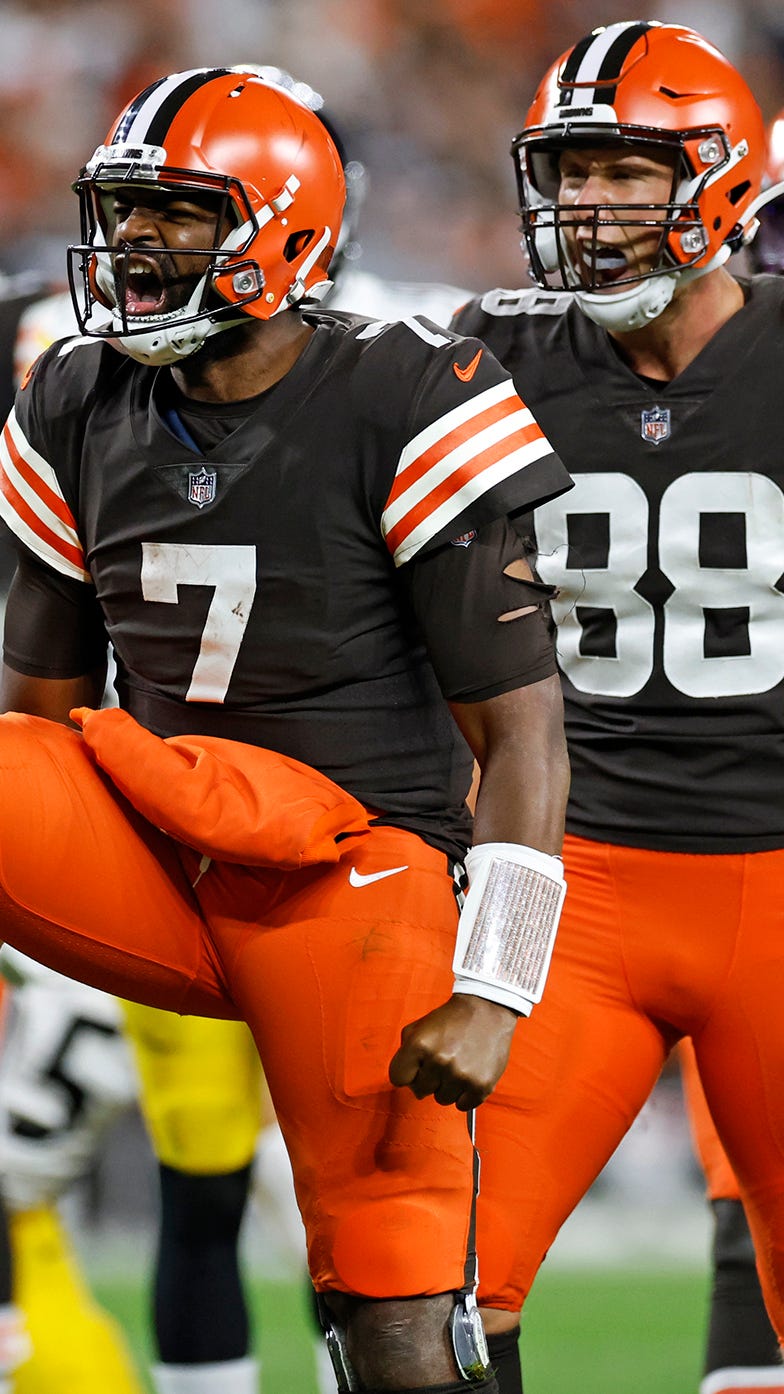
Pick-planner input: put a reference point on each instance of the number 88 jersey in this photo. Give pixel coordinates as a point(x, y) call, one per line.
point(668, 556)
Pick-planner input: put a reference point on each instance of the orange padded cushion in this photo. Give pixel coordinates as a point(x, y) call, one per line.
point(228, 800)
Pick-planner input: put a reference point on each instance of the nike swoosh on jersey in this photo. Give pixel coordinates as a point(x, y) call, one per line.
point(356, 878)
point(466, 374)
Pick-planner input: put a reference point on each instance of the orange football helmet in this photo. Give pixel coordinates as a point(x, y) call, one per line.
point(662, 86)
point(277, 177)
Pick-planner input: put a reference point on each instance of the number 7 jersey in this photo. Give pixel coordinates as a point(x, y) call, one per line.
point(668, 555)
point(254, 588)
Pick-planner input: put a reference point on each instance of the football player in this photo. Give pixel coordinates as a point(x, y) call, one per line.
point(200, 1079)
point(276, 815)
point(656, 373)
point(739, 1336)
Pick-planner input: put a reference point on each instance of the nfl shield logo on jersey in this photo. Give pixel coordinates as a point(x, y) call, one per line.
point(655, 424)
point(465, 539)
point(202, 486)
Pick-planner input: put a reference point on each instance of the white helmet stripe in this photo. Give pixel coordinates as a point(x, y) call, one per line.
point(148, 118)
point(602, 59)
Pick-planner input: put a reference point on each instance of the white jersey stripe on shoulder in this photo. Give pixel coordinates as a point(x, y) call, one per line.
point(80, 341)
point(38, 545)
point(458, 502)
point(38, 469)
point(33, 502)
point(451, 462)
point(457, 417)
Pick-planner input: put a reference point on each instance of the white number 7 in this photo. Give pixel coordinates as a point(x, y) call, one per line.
point(232, 571)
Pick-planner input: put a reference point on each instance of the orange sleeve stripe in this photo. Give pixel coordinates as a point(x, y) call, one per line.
point(458, 479)
point(54, 502)
point(24, 511)
point(510, 406)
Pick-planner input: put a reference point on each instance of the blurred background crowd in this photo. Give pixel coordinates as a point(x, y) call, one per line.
point(427, 92)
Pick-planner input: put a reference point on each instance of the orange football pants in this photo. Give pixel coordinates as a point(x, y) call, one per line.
point(325, 972)
point(721, 1181)
point(652, 946)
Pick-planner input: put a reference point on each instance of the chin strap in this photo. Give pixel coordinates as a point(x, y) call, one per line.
point(169, 344)
point(639, 304)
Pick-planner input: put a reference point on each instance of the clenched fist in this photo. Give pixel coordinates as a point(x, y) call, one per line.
point(457, 1053)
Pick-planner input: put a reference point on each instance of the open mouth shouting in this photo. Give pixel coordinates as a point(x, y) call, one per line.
point(150, 285)
point(141, 284)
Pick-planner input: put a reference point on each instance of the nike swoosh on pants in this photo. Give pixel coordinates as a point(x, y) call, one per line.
point(356, 878)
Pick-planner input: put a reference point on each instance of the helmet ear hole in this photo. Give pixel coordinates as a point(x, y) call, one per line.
point(296, 243)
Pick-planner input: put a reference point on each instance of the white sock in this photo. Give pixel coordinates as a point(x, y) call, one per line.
point(220, 1377)
point(15, 1344)
point(740, 1378)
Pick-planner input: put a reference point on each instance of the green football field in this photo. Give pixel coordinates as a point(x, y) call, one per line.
point(609, 1331)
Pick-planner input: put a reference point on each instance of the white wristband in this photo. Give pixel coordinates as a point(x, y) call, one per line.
point(507, 927)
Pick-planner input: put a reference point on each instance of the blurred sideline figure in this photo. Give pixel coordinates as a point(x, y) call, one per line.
point(201, 1088)
point(766, 252)
point(65, 1077)
point(16, 294)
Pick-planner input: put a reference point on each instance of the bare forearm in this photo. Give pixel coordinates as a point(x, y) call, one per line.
point(522, 798)
point(52, 698)
point(524, 779)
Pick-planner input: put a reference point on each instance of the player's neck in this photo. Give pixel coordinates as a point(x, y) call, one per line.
point(243, 361)
point(666, 346)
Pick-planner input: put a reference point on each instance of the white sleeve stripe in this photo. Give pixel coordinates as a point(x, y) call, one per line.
point(459, 502)
point(37, 545)
point(32, 498)
point(455, 418)
point(31, 457)
point(78, 342)
point(452, 462)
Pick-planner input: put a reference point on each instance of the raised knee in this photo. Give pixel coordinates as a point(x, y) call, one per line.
point(405, 1247)
point(399, 1344)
